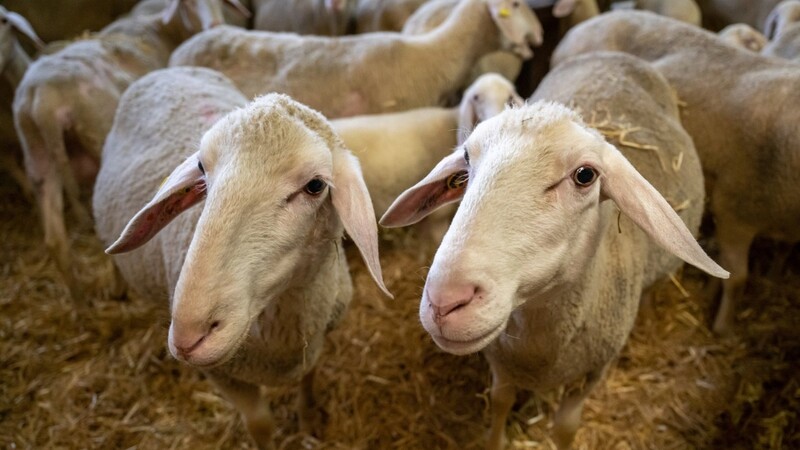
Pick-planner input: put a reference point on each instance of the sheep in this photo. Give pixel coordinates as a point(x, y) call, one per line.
point(276, 187)
point(384, 15)
point(73, 94)
point(355, 75)
point(13, 64)
point(783, 29)
point(396, 149)
point(719, 13)
point(318, 17)
point(743, 36)
point(744, 126)
point(537, 271)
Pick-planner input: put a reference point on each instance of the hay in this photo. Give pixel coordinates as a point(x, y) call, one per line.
point(102, 378)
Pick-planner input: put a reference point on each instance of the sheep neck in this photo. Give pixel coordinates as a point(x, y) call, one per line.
point(469, 19)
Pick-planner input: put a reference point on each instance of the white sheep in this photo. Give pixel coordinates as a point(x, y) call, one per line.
point(743, 36)
point(256, 272)
point(783, 29)
point(366, 74)
point(13, 64)
point(318, 17)
point(74, 93)
point(744, 126)
point(396, 149)
point(538, 270)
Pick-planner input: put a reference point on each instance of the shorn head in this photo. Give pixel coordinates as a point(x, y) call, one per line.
point(12, 23)
point(199, 15)
point(533, 183)
point(486, 97)
point(278, 187)
point(518, 24)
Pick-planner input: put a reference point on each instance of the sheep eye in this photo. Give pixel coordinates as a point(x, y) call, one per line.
point(466, 156)
point(315, 187)
point(584, 176)
point(200, 166)
point(4, 20)
point(515, 4)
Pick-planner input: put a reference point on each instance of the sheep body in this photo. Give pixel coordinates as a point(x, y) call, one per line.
point(384, 15)
point(265, 330)
point(553, 302)
point(762, 147)
point(353, 75)
point(743, 36)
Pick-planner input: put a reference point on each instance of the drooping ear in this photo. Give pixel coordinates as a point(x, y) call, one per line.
point(779, 18)
point(184, 187)
point(563, 8)
point(239, 7)
point(24, 27)
point(446, 183)
point(467, 118)
point(520, 26)
point(171, 11)
point(352, 202)
point(640, 201)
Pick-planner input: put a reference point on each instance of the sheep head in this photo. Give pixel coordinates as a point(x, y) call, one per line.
point(279, 187)
point(518, 24)
point(533, 183)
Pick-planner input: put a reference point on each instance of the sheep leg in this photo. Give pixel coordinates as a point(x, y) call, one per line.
point(11, 166)
point(734, 246)
point(502, 395)
point(251, 404)
point(308, 413)
point(568, 417)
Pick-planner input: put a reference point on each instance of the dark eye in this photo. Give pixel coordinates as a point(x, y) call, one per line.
point(200, 166)
point(315, 186)
point(476, 97)
point(584, 176)
point(466, 156)
point(515, 4)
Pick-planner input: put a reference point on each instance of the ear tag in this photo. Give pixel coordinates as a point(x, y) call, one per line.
point(504, 13)
point(160, 185)
point(457, 180)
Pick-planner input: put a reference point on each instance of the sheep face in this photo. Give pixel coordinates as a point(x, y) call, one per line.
point(533, 182)
point(519, 25)
point(11, 22)
point(277, 194)
point(485, 98)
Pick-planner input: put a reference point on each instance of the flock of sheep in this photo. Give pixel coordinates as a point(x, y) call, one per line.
point(227, 165)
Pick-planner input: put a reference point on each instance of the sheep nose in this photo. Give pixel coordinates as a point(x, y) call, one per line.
point(187, 340)
point(450, 298)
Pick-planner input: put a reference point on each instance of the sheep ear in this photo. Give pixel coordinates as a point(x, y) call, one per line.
point(352, 202)
point(445, 184)
point(467, 119)
point(240, 8)
point(563, 8)
point(640, 201)
point(517, 26)
point(171, 11)
point(184, 187)
point(24, 27)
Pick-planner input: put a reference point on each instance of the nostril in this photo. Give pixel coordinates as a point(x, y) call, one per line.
point(459, 298)
point(188, 344)
point(214, 326)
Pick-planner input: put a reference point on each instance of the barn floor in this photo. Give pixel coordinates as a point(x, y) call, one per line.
point(101, 377)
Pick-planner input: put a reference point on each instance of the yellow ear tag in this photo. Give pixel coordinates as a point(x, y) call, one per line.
point(504, 13)
point(163, 181)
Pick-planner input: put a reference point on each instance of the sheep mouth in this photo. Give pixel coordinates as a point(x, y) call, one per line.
point(464, 347)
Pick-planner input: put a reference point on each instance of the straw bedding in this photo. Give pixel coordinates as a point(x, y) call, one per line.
point(99, 375)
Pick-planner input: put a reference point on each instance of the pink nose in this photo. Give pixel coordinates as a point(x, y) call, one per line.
point(450, 298)
point(189, 339)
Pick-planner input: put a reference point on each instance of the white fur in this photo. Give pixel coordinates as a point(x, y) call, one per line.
point(743, 36)
point(318, 17)
point(783, 29)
